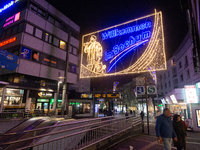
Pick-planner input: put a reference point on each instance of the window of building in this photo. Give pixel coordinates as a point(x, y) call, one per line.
point(21, 27)
point(188, 73)
point(46, 37)
point(50, 38)
point(15, 50)
point(33, 7)
point(57, 24)
point(55, 41)
point(35, 56)
point(161, 86)
point(53, 62)
point(71, 49)
point(38, 33)
point(63, 45)
point(46, 59)
point(168, 74)
point(165, 75)
point(29, 28)
point(180, 65)
point(8, 33)
point(41, 13)
point(169, 84)
point(74, 51)
point(61, 64)
point(14, 30)
point(51, 19)
point(165, 85)
point(182, 77)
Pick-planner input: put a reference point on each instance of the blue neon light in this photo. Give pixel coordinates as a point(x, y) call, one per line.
point(117, 32)
point(119, 48)
point(126, 53)
point(8, 5)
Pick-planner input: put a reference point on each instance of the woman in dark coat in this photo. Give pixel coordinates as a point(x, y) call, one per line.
point(180, 132)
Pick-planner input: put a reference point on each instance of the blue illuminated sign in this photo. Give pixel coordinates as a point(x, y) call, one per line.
point(129, 47)
point(8, 5)
point(25, 53)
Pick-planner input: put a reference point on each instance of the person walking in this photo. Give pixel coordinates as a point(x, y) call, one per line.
point(142, 115)
point(180, 132)
point(164, 129)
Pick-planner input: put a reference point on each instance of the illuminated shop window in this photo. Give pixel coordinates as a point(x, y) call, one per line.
point(62, 45)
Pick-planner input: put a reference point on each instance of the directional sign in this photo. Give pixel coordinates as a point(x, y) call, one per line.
point(140, 90)
point(151, 89)
point(7, 60)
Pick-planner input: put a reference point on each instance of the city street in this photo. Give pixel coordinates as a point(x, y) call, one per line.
point(149, 142)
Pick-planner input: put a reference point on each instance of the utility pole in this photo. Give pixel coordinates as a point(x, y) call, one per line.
point(146, 104)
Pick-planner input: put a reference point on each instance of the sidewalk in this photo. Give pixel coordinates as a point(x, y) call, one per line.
point(149, 142)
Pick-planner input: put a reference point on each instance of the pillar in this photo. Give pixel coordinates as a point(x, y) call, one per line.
point(3, 97)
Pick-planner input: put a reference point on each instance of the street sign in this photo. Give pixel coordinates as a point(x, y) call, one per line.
point(140, 81)
point(140, 90)
point(7, 60)
point(151, 89)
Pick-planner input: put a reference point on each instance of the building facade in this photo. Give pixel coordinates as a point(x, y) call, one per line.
point(46, 41)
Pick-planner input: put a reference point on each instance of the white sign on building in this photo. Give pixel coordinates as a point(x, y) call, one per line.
point(191, 95)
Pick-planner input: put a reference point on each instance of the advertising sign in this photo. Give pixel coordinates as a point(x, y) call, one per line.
point(11, 40)
point(191, 95)
point(130, 47)
point(173, 98)
point(12, 19)
point(25, 53)
point(7, 60)
point(140, 90)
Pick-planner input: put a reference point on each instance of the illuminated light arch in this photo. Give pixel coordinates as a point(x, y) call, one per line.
point(107, 54)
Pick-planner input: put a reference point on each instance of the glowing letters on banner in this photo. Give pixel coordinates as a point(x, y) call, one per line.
point(8, 41)
point(117, 32)
point(8, 5)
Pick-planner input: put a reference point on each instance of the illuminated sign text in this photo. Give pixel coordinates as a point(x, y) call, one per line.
point(12, 19)
point(8, 5)
point(8, 41)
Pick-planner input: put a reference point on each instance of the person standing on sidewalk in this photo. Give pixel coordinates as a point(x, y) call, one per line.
point(164, 129)
point(180, 132)
point(142, 115)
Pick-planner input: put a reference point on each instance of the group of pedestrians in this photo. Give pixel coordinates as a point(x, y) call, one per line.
point(166, 130)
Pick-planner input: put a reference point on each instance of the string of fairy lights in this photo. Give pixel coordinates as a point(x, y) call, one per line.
point(92, 64)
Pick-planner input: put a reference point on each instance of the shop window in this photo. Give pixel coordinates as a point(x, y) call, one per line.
point(74, 51)
point(46, 59)
point(51, 19)
point(38, 33)
point(29, 28)
point(55, 41)
point(62, 45)
point(53, 62)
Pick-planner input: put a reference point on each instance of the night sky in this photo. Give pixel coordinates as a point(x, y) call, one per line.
point(93, 15)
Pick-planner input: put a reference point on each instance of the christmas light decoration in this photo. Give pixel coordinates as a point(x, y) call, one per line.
point(130, 47)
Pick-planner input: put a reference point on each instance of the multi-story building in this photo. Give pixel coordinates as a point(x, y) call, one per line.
point(178, 85)
point(46, 41)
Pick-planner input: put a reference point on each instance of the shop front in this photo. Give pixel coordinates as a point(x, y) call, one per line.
point(13, 99)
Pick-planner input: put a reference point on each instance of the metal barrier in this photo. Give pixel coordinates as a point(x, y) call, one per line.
point(8, 115)
point(77, 135)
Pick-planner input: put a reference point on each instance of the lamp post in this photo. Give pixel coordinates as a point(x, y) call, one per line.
point(146, 104)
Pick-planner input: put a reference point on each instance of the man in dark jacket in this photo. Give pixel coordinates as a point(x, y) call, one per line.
point(164, 129)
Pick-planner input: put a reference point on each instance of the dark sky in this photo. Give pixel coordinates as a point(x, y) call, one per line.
point(93, 15)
